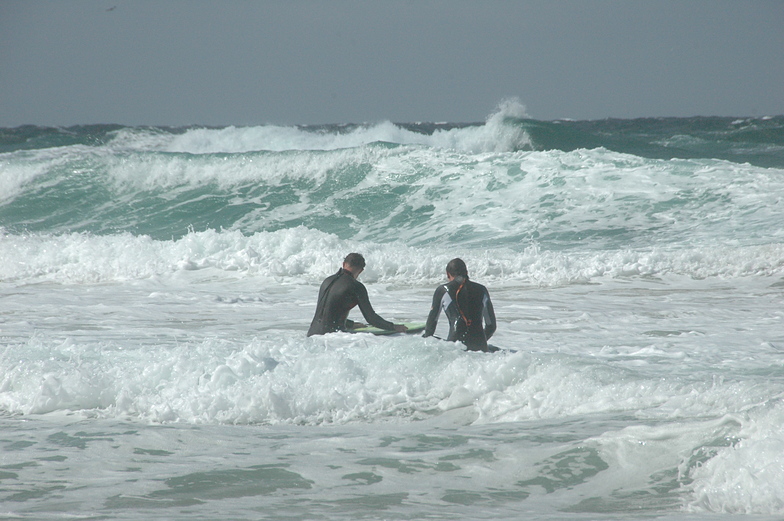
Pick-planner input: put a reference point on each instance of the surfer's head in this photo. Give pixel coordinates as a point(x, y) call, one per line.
point(457, 268)
point(355, 263)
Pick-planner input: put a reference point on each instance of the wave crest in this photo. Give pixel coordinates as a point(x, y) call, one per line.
point(501, 132)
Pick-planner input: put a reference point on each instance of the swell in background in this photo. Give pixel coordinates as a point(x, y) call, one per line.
point(543, 202)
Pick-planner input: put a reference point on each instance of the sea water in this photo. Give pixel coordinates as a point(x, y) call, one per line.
point(156, 285)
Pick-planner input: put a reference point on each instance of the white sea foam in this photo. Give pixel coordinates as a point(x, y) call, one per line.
point(300, 254)
point(556, 387)
point(283, 378)
point(746, 477)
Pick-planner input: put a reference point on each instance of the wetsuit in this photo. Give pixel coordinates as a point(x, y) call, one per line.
point(466, 304)
point(338, 294)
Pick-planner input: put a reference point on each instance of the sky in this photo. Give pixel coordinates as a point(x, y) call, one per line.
point(287, 62)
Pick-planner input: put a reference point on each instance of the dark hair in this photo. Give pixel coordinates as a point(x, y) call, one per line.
point(355, 260)
point(456, 268)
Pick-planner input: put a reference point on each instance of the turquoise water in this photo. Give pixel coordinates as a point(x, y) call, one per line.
point(156, 286)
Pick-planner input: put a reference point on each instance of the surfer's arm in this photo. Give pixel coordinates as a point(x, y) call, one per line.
point(367, 310)
point(435, 310)
point(489, 316)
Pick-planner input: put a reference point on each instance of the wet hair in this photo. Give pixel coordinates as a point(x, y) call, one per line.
point(355, 260)
point(457, 268)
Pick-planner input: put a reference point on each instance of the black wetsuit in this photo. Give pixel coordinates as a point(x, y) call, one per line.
point(465, 304)
point(338, 294)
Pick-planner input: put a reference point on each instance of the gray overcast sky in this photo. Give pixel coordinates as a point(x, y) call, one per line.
point(230, 62)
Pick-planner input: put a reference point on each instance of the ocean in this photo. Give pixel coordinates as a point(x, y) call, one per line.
point(156, 286)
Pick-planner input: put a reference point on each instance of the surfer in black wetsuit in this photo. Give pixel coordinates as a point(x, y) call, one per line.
point(466, 304)
point(341, 292)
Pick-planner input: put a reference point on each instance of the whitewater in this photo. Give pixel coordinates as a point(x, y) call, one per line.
point(156, 285)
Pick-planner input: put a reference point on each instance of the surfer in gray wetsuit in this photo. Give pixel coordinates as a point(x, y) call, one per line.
point(338, 294)
point(466, 304)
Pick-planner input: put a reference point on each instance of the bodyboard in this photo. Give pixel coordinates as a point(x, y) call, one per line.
point(413, 327)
